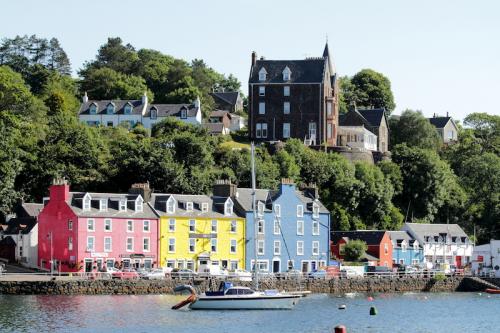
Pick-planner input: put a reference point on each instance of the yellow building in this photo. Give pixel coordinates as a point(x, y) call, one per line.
point(199, 232)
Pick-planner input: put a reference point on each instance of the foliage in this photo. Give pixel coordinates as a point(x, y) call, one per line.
point(354, 250)
point(413, 129)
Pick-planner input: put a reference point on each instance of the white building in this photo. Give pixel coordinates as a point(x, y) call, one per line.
point(357, 137)
point(442, 243)
point(112, 113)
point(486, 259)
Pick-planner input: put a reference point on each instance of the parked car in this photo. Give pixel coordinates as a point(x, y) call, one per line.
point(293, 273)
point(184, 273)
point(348, 273)
point(154, 274)
point(318, 274)
point(125, 274)
point(243, 275)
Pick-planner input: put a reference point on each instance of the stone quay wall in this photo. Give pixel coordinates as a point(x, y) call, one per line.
point(333, 286)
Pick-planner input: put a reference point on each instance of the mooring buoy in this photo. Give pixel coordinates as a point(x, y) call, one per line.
point(373, 311)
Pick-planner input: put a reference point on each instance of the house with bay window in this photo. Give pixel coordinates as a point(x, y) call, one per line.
point(85, 231)
point(293, 228)
point(199, 231)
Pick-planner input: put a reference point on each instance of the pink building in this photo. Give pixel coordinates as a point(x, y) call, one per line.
point(82, 231)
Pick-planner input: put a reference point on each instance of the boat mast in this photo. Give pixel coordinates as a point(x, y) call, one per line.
point(255, 222)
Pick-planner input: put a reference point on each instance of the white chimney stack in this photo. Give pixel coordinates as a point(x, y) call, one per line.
point(144, 99)
point(197, 102)
point(85, 98)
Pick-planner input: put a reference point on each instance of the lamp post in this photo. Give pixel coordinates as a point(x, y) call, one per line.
point(51, 254)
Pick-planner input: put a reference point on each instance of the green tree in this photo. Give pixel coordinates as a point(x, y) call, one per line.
point(354, 250)
point(486, 129)
point(414, 130)
point(288, 168)
point(113, 55)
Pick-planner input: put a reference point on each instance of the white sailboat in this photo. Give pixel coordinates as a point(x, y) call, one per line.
point(230, 297)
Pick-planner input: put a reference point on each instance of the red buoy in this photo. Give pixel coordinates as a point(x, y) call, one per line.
point(340, 329)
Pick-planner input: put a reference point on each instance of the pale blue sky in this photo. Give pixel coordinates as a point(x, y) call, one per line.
point(439, 55)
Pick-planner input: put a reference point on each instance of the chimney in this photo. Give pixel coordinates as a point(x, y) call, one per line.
point(254, 58)
point(224, 188)
point(447, 115)
point(310, 190)
point(141, 188)
point(352, 106)
point(85, 98)
point(59, 190)
point(286, 183)
point(197, 102)
point(144, 99)
point(262, 58)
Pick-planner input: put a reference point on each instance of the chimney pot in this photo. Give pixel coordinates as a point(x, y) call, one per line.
point(254, 58)
point(85, 98)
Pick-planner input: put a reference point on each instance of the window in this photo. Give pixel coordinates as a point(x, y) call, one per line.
point(414, 262)
point(107, 244)
point(289, 264)
point(300, 227)
point(233, 267)
point(108, 225)
point(127, 109)
point(154, 113)
point(315, 210)
point(300, 248)
point(139, 204)
point(146, 226)
point(262, 91)
point(329, 130)
point(93, 109)
point(70, 225)
point(286, 130)
point(262, 108)
point(260, 247)
point(70, 243)
point(260, 208)
point(130, 244)
point(286, 107)
point(261, 130)
point(260, 226)
point(130, 226)
point(171, 245)
point(109, 124)
point(277, 210)
point(123, 205)
point(214, 226)
point(192, 225)
point(103, 204)
point(213, 245)
point(86, 203)
point(286, 74)
point(386, 248)
point(232, 228)
point(329, 108)
point(110, 109)
point(90, 243)
point(403, 247)
point(183, 113)
point(171, 205)
point(277, 247)
point(415, 245)
point(315, 227)
point(192, 245)
point(90, 225)
point(189, 206)
point(300, 211)
point(263, 265)
point(228, 207)
point(262, 74)
point(286, 91)
point(276, 227)
point(315, 248)
point(204, 207)
point(171, 225)
point(233, 246)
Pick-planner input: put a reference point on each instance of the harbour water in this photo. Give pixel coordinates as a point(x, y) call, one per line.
point(419, 312)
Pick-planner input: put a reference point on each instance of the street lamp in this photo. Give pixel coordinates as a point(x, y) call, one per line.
point(49, 235)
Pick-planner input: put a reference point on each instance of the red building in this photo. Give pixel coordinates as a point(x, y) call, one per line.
point(379, 245)
point(82, 231)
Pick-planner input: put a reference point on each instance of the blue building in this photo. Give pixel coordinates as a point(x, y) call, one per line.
point(293, 228)
point(406, 251)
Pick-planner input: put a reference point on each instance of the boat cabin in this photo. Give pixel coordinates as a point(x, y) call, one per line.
point(227, 288)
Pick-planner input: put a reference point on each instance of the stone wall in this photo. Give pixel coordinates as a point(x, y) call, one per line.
point(334, 286)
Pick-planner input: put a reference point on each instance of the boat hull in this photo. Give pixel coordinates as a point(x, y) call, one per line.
point(492, 291)
point(247, 303)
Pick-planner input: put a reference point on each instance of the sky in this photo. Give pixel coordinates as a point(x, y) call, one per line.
point(441, 56)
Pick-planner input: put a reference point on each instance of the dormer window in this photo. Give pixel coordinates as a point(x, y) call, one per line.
point(128, 108)
point(260, 209)
point(154, 113)
point(86, 202)
point(189, 206)
point(93, 108)
point(403, 246)
point(286, 74)
point(122, 205)
point(262, 74)
point(204, 207)
point(110, 108)
point(415, 245)
point(183, 113)
point(103, 205)
point(139, 204)
point(315, 210)
point(277, 210)
point(228, 207)
point(171, 205)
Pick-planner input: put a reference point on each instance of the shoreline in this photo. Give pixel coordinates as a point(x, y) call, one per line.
point(333, 286)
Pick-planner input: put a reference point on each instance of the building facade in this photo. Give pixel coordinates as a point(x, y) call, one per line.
point(406, 251)
point(379, 252)
point(293, 99)
point(199, 231)
point(486, 259)
point(293, 228)
point(82, 231)
point(446, 128)
point(112, 113)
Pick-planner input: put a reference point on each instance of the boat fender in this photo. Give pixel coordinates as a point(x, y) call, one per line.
point(342, 307)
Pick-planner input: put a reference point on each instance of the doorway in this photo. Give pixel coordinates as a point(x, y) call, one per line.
point(88, 265)
point(276, 266)
point(312, 131)
point(305, 267)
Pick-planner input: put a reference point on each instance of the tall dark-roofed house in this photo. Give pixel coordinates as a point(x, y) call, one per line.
point(293, 99)
point(228, 100)
point(446, 128)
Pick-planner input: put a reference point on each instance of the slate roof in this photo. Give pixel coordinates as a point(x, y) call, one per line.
point(373, 116)
point(354, 118)
point(19, 224)
point(303, 71)
point(31, 209)
point(371, 237)
point(219, 113)
point(230, 97)
point(215, 205)
point(137, 106)
point(439, 122)
point(421, 230)
point(167, 110)
point(76, 204)
point(214, 128)
point(398, 236)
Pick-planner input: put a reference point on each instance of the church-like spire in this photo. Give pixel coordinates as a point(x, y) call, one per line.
point(326, 54)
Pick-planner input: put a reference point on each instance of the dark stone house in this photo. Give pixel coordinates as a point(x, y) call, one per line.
point(293, 99)
point(228, 100)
